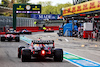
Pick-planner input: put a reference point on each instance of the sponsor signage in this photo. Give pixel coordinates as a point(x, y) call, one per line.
point(26, 8)
point(44, 16)
point(84, 7)
point(37, 12)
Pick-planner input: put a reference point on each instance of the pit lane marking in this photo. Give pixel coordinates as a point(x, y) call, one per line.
point(82, 62)
point(67, 40)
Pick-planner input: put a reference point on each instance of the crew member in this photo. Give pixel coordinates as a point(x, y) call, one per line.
point(44, 28)
point(35, 23)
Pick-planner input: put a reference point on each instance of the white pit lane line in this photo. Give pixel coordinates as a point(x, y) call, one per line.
point(67, 40)
point(72, 62)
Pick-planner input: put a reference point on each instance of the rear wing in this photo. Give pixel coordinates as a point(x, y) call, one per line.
point(14, 33)
point(43, 42)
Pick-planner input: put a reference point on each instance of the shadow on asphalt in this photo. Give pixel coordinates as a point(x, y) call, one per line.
point(45, 60)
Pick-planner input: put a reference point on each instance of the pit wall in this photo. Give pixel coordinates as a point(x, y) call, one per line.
point(32, 29)
point(36, 29)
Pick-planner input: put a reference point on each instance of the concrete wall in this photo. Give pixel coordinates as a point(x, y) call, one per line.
point(50, 24)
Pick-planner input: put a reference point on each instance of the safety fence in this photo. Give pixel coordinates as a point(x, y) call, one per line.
point(26, 22)
point(21, 22)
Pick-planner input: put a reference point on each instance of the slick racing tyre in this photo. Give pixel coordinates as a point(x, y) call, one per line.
point(58, 55)
point(17, 39)
point(2, 38)
point(26, 55)
point(19, 51)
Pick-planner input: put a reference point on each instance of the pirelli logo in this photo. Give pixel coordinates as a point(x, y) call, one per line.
point(84, 7)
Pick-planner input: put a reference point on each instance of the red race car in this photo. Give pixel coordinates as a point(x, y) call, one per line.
point(49, 30)
point(10, 35)
point(41, 49)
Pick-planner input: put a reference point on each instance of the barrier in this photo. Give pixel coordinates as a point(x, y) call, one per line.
point(36, 29)
point(2, 33)
point(87, 34)
point(32, 29)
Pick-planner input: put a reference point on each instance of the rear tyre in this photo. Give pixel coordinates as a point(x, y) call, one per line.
point(58, 55)
point(17, 39)
point(2, 38)
point(26, 55)
point(19, 56)
point(30, 32)
point(19, 51)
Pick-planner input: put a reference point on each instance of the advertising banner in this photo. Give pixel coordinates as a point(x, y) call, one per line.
point(84, 7)
point(45, 16)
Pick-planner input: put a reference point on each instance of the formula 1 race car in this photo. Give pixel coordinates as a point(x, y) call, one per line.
point(11, 31)
point(24, 31)
point(11, 35)
point(41, 49)
point(49, 30)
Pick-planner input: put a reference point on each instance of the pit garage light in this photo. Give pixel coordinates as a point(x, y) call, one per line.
point(82, 14)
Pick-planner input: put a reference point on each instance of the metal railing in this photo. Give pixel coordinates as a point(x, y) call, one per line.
point(6, 8)
point(21, 21)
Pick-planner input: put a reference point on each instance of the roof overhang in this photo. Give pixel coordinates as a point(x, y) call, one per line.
point(82, 8)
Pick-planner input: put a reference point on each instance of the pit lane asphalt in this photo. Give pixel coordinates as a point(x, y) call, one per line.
point(90, 50)
point(8, 57)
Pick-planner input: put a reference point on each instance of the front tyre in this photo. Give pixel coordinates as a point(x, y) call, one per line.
point(17, 39)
